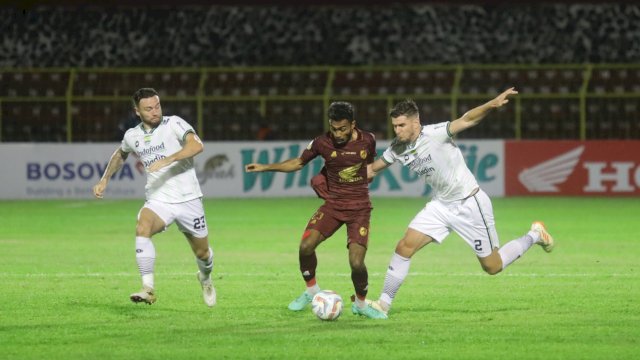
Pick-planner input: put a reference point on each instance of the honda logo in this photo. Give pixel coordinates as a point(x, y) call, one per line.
point(546, 176)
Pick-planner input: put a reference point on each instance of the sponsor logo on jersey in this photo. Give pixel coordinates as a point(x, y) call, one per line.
point(350, 174)
point(148, 162)
point(151, 149)
point(421, 167)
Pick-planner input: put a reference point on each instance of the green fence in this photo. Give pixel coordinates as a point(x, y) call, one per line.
point(556, 101)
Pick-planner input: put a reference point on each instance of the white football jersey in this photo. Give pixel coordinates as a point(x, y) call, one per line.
point(436, 157)
point(175, 183)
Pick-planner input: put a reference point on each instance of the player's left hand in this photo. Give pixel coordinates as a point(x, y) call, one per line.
point(254, 167)
point(159, 164)
point(503, 98)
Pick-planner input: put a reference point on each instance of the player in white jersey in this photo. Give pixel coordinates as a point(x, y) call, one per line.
point(457, 203)
point(166, 146)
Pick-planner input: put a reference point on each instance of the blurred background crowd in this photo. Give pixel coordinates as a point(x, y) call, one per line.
point(91, 36)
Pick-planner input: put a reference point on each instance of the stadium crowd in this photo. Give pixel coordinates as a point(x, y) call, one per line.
point(91, 36)
point(98, 37)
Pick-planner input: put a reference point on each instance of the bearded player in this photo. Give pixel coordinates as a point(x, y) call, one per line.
point(343, 185)
point(166, 145)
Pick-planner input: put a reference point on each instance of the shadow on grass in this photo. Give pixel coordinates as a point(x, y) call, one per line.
point(131, 309)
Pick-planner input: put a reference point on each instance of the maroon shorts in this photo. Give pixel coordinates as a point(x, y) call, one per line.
point(328, 219)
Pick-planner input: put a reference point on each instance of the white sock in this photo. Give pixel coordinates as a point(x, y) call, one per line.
point(512, 250)
point(206, 266)
point(146, 258)
point(396, 273)
point(312, 290)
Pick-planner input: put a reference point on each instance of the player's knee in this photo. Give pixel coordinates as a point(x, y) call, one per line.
point(404, 249)
point(492, 269)
point(307, 247)
point(202, 254)
point(357, 265)
point(143, 229)
point(309, 242)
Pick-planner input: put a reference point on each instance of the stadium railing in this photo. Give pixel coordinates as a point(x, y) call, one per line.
point(575, 101)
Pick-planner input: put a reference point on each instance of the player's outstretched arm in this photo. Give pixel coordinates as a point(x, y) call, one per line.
point(115, 163)
point(290, 165)
point(375, 167)
point(192, 147)
point(474, 116)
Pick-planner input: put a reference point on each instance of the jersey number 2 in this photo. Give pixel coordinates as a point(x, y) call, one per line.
point(478, 246)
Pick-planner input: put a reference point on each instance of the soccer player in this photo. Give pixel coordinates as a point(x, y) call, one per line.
point(166, 146)
point(457, 202)
point(344, 186)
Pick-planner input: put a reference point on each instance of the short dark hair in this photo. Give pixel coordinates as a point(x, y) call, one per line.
point(143, 94)
point(407, 108)
point(340, 110)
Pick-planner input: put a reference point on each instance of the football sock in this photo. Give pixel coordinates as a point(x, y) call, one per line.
point(360, 279)
point(308, 264)
point(146, 258)
point(512, 250)
point(312, 290)
point(206, 266)
point(396, 273)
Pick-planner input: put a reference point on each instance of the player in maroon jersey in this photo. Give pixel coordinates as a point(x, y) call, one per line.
point(343, 185)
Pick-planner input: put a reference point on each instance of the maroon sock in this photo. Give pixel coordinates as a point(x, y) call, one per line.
point(360, 282)
point(308, 264)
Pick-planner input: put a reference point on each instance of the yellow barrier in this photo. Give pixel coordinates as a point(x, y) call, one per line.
point(574, 101)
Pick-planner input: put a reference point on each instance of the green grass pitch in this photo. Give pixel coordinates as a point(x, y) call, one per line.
point(67, 268)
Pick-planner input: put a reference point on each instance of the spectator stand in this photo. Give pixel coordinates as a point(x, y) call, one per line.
point(567, 101)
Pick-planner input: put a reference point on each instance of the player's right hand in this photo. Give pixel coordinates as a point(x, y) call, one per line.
point(254, 167)
point(98, 189)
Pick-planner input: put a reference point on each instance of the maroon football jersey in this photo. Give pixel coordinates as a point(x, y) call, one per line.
point(345, 168)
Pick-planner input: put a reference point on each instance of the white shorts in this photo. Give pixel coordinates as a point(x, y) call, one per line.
point(189, 215)
point(471, 218)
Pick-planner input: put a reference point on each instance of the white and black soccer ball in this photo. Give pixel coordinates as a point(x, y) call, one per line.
point(326, 305)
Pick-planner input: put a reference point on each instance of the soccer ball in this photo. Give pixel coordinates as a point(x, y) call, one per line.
point(327, 305)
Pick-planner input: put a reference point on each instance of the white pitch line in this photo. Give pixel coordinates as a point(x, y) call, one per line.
point(217, 275)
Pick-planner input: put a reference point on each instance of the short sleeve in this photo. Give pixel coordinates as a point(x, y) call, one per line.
point(310, 152)
point(388, 156)
point(439, 131)
point(372, 150)
point(180, 127)
point(125, 144)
